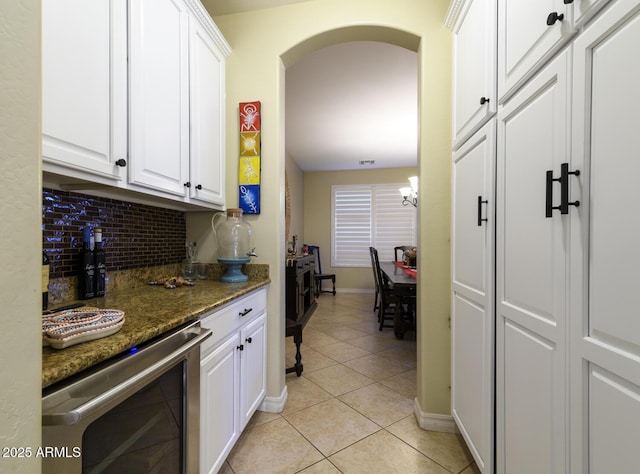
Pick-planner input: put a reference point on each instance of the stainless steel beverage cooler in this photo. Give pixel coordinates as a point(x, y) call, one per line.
point(136, 413)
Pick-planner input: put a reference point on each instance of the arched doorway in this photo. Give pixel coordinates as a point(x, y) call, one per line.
point(264, 43)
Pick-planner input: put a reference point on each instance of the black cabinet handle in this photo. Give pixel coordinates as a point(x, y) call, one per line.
point(553, 17)
point(121, 162)
point(549, 194)
point(564, 191)
point(248, 340)
point(480, 203)
point(567, 2)
point(484, 100)
point(187, 184)
point(245, 312)
point(240, 347)
point(199, 186)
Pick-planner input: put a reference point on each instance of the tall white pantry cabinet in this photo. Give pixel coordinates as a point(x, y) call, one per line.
point(564, 329)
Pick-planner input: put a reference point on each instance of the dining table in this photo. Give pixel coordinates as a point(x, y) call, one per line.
point(402, 280)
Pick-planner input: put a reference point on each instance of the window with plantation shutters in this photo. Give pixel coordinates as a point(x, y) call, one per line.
point(366, 216)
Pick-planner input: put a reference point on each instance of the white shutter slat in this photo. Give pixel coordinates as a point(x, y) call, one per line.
point(369, 215)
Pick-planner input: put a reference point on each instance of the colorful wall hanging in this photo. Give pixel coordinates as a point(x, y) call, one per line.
point(249, 171)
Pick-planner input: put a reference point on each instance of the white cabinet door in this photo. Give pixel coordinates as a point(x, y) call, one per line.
point(526, 41)
point(473, 292)
point(84, 87)
point(605, 257)
point(219, 404)
point(584, 10)
point(531, 283)
point(474, 74)
point(207, 117)
point(253, 378)
point(159, 95)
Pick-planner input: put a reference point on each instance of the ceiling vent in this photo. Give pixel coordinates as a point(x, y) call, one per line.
point(367, 162)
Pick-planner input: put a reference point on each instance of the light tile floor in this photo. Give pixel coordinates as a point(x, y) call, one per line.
point(351, 411)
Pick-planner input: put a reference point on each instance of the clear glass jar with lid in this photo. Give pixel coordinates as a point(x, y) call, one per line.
point(233, 235)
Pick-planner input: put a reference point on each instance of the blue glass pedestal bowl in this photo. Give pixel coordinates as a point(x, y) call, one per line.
point(234, 269)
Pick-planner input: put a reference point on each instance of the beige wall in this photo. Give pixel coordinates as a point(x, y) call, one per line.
point(20, 239)
point(296, 193)
point(263, 43)
point(317, 192)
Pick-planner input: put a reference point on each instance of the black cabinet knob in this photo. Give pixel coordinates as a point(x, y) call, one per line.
point(199, 186)
point(248, 340)
point(187, 184)
point(240, 347)
point(553, 17)
point(121, 162)
point(484, 100)
point(567, 2)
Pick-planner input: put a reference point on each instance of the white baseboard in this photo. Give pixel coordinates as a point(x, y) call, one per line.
point(275, 404)
point(434, 421)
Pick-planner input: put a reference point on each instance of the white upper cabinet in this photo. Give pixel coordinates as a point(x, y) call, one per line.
point(529, 33)
point(159, 95)
point(84, 88)
point(474, 49)
point(206, 68)
point(133, 97)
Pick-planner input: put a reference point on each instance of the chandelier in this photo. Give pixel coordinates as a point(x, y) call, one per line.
point(410, 193)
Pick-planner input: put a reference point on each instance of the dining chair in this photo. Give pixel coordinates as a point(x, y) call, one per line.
point(376, 280)
point(318, 276)
point(401, 249)
point(386, 298)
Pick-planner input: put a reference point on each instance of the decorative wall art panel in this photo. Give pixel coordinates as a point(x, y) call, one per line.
point(250, 116)
point(249, 170)
point(250, 198)
point(249, 143)
point(250, 163)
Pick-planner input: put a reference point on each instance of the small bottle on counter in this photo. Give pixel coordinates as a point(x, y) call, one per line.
point(45, 280)
point(87, 270)
point(99, 263)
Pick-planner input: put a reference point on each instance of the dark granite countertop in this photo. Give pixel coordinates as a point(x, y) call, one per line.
point(149, 312)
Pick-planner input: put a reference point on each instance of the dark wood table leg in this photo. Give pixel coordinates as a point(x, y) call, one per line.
point(297, 339)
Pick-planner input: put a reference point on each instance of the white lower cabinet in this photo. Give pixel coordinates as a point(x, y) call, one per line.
point(252, 369)
point(232, 375)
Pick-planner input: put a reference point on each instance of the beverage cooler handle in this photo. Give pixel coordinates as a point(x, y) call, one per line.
point(116, 394)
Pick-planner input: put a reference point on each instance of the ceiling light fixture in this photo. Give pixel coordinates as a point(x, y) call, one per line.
point(410, 194)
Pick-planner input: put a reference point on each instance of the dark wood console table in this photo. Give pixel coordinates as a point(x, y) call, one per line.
point(300, 302)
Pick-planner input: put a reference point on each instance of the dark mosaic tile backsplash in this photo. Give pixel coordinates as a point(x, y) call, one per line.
point(133, 235)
